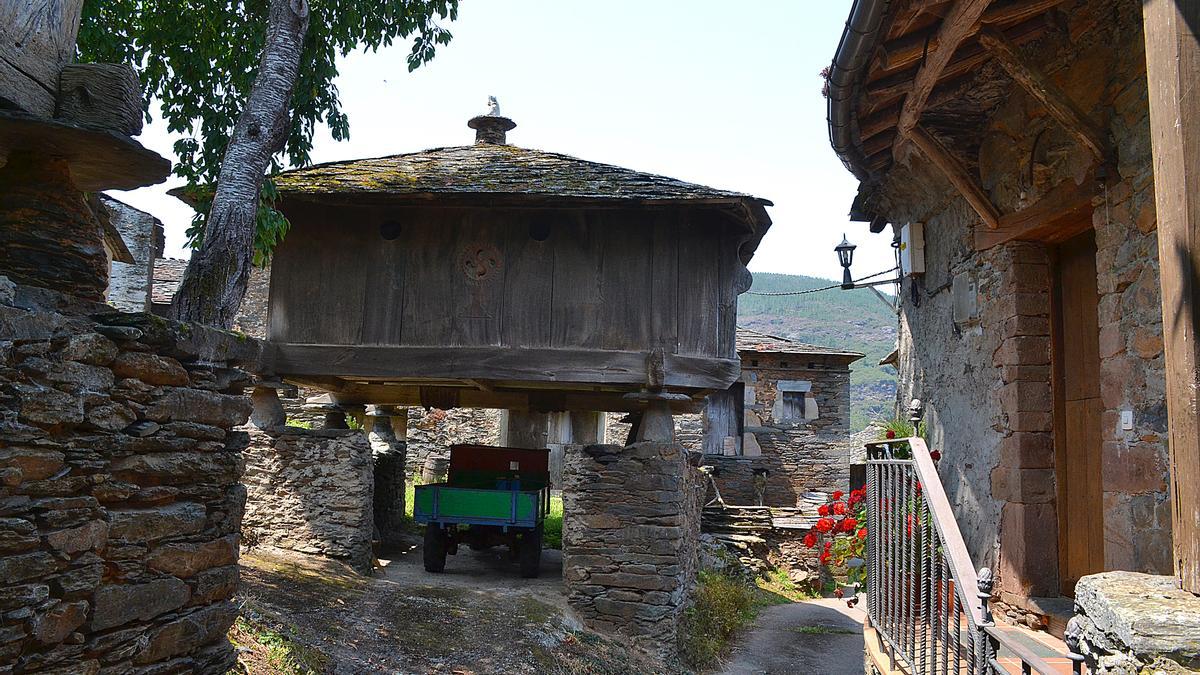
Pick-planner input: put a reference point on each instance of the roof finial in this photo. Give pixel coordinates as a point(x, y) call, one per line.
point(492, 127)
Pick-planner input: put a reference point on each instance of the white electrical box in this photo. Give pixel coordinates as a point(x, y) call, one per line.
point(912, 249)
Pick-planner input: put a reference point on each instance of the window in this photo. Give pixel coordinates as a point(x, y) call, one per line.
point(794, 402)
point(793, 405)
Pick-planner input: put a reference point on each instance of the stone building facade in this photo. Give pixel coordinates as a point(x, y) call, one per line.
point(986, 376)
point(1036, 342)
point(793, 407)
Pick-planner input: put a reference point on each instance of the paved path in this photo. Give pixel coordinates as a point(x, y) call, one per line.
point(816, 637)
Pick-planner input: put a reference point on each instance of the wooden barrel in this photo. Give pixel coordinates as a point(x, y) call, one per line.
point(435, 469)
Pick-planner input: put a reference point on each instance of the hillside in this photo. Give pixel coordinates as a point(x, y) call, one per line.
point(854, 320)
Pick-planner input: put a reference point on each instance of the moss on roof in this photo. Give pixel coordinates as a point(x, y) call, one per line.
point(494, 170)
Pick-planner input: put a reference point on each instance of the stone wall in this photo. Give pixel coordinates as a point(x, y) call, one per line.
point(433, 431)
point(630, 534)
point(119, 500)
point(310, 491)
point(975, 344)
point(796, 462)
point(830, 380)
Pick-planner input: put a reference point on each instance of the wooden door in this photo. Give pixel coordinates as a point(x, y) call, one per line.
point(1077, 411)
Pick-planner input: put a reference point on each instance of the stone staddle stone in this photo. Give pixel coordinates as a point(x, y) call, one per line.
point(48, 235)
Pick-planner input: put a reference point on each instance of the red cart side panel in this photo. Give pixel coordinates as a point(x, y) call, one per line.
point(483, 465)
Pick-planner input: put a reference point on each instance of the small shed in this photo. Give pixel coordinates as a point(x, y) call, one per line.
point(490, 275)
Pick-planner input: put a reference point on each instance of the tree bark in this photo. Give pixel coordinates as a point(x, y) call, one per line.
point(216, 278)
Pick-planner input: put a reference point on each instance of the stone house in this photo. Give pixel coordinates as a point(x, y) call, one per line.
point(787, 418)
point(1012, 152)
point(130, 282)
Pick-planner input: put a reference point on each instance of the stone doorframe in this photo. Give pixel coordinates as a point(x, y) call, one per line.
point(1024, 478)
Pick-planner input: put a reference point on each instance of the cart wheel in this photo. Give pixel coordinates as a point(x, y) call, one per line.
point(530, 552)
point(435, 548)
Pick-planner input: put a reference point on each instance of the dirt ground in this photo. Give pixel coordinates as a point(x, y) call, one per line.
point(479, 616)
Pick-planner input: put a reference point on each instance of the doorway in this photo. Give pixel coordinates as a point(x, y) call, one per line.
point(1075, 336)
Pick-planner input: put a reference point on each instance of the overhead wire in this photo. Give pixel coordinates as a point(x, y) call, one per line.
point(818, 290)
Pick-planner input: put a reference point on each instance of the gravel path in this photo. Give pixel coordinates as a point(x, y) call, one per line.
point(815, 637)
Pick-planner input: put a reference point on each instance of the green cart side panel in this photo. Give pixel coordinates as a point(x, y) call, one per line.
point(464, 505)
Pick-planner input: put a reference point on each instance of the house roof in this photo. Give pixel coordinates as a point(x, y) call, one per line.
point(755, 342)
point(168, 274)
point(495, 169)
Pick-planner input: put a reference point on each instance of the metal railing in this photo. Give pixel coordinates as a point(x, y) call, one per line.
point(927, 604)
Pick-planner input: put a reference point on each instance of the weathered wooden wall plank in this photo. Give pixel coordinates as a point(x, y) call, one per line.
point(529, 278)
point(664, 283)
point(318, 282)
point(386, 263)
point(699, 292)
point(577, 285)
point(626, 279)
point(477, 283)
point(432, 262)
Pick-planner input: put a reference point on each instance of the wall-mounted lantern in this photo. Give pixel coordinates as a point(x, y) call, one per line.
point(845, 253)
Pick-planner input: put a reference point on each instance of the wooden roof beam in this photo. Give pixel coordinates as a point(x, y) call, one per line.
point(1064, 211)
point(909, 49)
point(888, 89)
point(1033, 80)
point(956, 172)
point(959, 23)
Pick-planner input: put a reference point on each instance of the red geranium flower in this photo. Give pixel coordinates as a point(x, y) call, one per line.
point(838, 593)
point(836, 495)
point(839, 508)
point(825, 558)
point(862, 533)
point(810, 539)
point(890, 434)
point(824, 525)
point(823, 510)
point(935, 455)
point(849, 524)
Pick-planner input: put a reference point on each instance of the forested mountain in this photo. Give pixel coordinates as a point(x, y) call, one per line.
point(855, 320)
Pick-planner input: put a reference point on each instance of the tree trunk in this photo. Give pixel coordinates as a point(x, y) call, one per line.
point(216, 278)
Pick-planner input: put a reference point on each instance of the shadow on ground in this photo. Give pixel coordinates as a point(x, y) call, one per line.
point(479, 616)
point(817, 637)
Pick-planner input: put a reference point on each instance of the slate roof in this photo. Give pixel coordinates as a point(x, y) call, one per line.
point(752, 341)
point(494, 170)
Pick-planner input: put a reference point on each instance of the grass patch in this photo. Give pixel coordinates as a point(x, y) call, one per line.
point(552, 528)
point(721, 607)
point(821, 630)
point(271, 651)
point(777, 588)
point(299, 424)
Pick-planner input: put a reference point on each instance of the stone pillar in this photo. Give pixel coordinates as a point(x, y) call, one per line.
point(388, 453)
point(524, 429)
point(629, 540)
point(48, 236)
point(268, 411)
point(657, 424)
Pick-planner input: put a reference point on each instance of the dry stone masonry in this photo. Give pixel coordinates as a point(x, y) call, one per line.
point(119, 497)
point(631, 527)
point(310, 491)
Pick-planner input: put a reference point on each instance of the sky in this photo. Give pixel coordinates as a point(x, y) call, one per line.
point(713, 92)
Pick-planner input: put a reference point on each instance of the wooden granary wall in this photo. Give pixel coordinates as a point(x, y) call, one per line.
point(579, 278)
